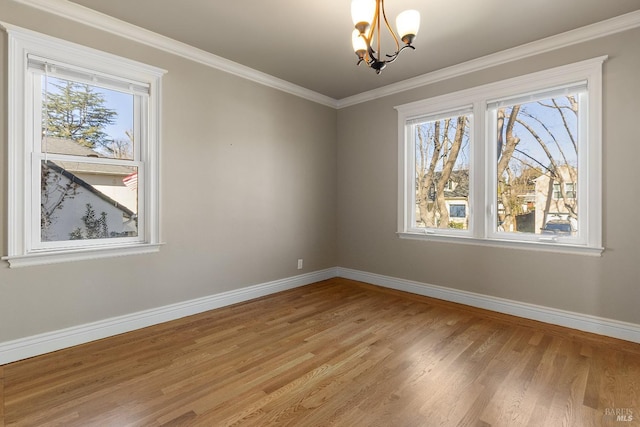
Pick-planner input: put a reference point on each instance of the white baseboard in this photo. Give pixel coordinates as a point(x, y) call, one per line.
point(11, 351)
point(582, 322)
point(23, 348)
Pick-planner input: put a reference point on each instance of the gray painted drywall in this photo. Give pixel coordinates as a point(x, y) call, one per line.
point(254, 179)
point(607, 286)
point(248, 187)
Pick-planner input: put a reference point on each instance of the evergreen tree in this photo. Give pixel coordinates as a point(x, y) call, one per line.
point(75, 111)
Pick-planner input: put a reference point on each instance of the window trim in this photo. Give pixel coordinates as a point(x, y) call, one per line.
point(23, 43)
point(481, 207)
point(441, 110)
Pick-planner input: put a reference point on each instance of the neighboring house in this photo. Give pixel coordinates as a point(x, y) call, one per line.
point(534, 202)
point(524, 210)
point(456, 196)
point(555, 207)
point(108, 179)
point(72, 185)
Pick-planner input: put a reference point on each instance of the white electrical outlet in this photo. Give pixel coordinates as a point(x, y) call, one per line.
point(300, 264)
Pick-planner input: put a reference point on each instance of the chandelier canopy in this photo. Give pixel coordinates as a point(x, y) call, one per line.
point(368, 18)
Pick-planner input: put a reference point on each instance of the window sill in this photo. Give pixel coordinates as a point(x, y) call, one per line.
point(509, 244)
point(54, 257)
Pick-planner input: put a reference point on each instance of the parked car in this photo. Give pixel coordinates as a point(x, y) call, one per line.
point(558, 227)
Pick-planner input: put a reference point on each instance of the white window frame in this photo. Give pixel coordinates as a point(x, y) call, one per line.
point(437, 110)
point(23, 149)
point(482, 209)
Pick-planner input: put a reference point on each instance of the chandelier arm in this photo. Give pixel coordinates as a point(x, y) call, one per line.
point(372, 27)
point(376, 19)
point(395, 55)
point(368, 37)
point(393, 34)
point(391, 58)
point(372, 53)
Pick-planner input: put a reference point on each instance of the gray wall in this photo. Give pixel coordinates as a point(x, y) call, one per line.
point(254, 179)
point(248, 187)
point(607, 286)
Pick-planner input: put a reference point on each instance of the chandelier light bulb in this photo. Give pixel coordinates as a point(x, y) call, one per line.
point(359, 43)
point(408, 24)
point(362, 12)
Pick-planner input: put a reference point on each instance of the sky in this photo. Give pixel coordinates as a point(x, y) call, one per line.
point(548, 125)
point(553, 121)
point(121, 102)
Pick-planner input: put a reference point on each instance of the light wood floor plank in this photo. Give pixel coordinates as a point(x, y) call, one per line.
point(339, 353)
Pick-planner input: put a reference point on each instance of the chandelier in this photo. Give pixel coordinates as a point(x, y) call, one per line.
point(368, 18)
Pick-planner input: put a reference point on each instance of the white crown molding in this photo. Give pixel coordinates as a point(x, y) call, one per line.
point(590, 32)
point(86, 16)
point(583, 322)
point(35, 345)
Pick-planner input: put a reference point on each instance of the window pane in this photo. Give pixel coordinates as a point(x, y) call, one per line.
point(442, 173)
point(457, 211)
point(84, 120)
point(537, 145)
point(87, 201)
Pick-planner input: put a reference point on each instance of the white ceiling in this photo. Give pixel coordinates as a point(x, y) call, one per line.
point(308, 43)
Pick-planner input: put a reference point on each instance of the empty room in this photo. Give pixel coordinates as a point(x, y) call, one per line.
point(346, 213)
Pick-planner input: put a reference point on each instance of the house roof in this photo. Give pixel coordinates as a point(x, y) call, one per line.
point(71, 148)
point(460, 190)
point(67, 146)
point(564, 170)
point(73, 178)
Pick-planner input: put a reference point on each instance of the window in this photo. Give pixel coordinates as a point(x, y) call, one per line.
point(569, 192)
point(514, 163)
point(83, 152)
point(441, 147)
point(557, 194)
point(457, 211)
point(450, 185)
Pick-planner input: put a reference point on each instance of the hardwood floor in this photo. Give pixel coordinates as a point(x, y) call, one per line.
point(338, 353)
